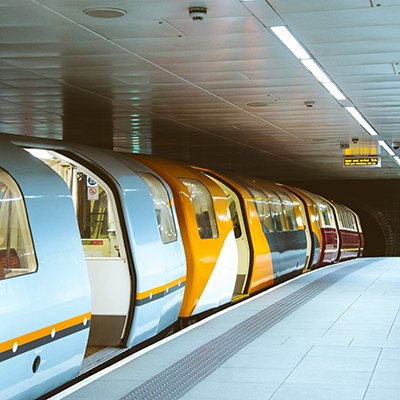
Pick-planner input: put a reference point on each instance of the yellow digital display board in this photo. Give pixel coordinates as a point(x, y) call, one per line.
point(363, 161)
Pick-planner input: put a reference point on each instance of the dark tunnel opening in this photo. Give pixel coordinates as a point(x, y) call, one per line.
point(375, 242)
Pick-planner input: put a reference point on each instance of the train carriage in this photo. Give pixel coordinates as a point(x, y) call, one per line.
point(323, 226)
point(131, 241)
point(349, 238)
point(284, 226)
point(287, 233)
point(255, 271)
point(45, 302)
point(208, 236)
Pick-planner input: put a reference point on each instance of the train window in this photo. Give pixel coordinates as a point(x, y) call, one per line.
point(162, 208)
point(235, 218)
point(17, 256)
point(326, 218)
point(96, 215)
point(263, 209)
point(347, 218)
point(323, 208)
point(203, 208)
point(288, 209)
point(277, 212)
point(316, 215)
point(340, 217)
point(331, 216)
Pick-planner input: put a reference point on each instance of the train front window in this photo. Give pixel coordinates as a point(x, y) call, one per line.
point(17, 256)
point(162, 207)
point(203, 208)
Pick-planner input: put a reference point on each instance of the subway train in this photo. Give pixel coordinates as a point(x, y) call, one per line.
point(102, 250)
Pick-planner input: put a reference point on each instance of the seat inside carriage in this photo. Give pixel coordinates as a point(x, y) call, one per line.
point(9, 260)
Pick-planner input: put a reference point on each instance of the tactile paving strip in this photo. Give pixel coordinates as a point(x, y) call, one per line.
point(179, 378)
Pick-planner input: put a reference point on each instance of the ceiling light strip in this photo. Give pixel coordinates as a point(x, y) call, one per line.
point(334, 91)
point(386, 147)
point(360, 119)
point(290, 42)
point(316, 70)
point(311, 64)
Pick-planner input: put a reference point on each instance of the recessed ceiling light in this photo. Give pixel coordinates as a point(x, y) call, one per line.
point(105, 12)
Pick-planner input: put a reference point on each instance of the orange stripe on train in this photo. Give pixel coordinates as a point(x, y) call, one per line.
point(47, 331)
point(160, 289)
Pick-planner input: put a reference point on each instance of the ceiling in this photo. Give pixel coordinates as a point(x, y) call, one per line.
point(154, 81)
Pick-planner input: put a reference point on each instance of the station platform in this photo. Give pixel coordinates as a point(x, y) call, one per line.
point(330, 334)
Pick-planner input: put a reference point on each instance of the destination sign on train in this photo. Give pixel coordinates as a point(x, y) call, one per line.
point(362, 161)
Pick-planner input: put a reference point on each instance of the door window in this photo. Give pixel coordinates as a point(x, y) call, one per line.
point(162, 208)
point(17, 256)
point(203, 208)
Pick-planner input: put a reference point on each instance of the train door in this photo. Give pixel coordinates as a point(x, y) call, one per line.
point(242, 240)
point(104, 249)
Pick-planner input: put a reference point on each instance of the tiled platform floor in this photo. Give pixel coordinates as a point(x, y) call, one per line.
point(344, 344)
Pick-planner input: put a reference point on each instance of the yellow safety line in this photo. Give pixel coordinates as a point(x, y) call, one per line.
point(239, 297)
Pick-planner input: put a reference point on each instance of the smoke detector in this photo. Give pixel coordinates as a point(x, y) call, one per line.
point(197, 13)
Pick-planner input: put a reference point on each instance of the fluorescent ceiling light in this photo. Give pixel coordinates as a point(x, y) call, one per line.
point(41, 154)
point(316, 70)
point(397, 159)
point(388, 149)
point(290, 42)
point(356, 115)
point(359, 118)
point(334, 91)
point(300, 52)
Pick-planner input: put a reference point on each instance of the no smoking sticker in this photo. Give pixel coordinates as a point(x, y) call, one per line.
point(92, 193)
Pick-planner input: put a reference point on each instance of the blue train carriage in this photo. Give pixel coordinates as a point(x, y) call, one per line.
point(131, 241)
point(45, 299)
